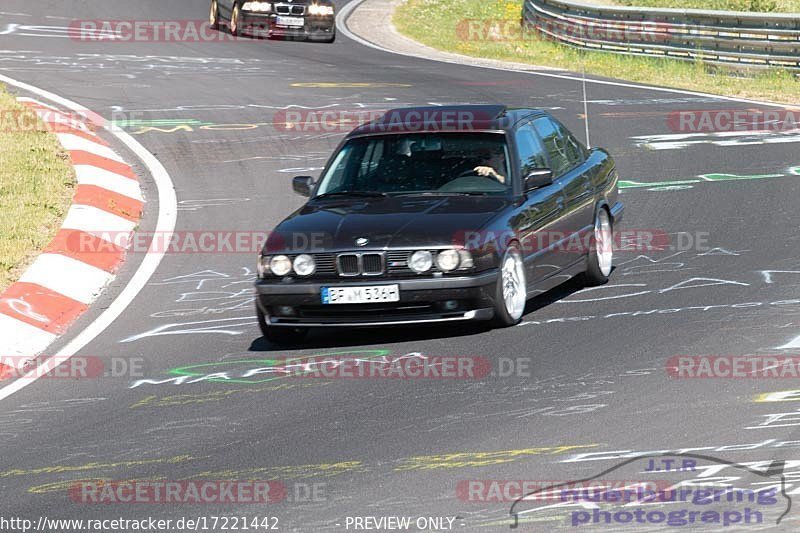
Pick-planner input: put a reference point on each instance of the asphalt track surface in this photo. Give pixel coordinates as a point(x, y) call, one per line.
point(384, 447)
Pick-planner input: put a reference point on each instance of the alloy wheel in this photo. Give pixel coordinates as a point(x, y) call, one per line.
point(604, 242)
point(514, 289)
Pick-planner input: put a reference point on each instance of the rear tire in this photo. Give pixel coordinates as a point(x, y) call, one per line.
point(601, 254)
point(281, 335)
point(511, 293)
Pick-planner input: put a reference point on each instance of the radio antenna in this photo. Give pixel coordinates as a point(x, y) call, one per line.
point(585, 102)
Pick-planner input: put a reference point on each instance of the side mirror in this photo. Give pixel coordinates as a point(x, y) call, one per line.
point(302, 185)
point(538, 178)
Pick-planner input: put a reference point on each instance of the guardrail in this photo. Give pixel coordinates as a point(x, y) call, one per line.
point(730, 37)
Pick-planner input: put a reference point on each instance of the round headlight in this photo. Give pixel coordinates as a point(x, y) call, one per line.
point(316, 9)
point(259, 7)
point(280, 265)
point(421, 261)
point(304, 265)
point(447, 260)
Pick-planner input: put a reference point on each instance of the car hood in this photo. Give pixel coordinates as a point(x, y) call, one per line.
point(393, 222)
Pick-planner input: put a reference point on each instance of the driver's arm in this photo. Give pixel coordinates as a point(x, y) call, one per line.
point(489, 172)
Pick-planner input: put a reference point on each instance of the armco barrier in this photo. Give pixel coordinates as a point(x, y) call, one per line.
point(729, 37)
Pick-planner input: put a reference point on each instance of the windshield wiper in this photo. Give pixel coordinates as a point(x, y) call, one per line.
point(365, 194)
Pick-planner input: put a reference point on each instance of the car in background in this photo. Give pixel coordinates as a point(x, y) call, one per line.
point(439, 215)
point(294, 19)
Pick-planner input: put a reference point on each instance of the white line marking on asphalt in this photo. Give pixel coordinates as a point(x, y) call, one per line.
point(202, 326)
point(791, 345)
point(9, 29)
point(165, 225)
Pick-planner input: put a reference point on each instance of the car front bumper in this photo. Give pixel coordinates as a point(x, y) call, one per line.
point(422, 300)
point(318, 26)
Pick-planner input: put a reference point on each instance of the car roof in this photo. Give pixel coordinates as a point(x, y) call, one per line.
point(454, 118)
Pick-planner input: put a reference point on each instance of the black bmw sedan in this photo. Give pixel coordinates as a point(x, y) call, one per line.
point(306, 19)
point(441, 214)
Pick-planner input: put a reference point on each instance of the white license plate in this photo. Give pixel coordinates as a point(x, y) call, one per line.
point(360, 295)
point(290, 21)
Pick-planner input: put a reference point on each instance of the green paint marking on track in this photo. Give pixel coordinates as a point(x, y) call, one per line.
point(734, 177)
point(638, 184)
point(192, 370)
point(677, 184)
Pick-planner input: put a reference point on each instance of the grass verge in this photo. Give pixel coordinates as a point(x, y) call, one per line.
point(36, 185)
point(441, 23)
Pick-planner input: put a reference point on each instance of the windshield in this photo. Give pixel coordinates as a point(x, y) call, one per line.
point(420, 163)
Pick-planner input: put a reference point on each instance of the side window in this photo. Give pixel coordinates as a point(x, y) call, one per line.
point(531, 153)
point(564, 150)
point(575, 152)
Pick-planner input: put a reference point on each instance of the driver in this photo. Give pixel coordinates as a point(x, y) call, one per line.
point(493, 159)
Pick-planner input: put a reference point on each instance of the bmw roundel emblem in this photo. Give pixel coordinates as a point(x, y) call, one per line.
point(362, 241)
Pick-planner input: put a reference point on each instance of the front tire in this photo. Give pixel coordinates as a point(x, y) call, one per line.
point(236, 17)
point(281, 335)
point(601, 254)
point(213, 16)
point(511, 294)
